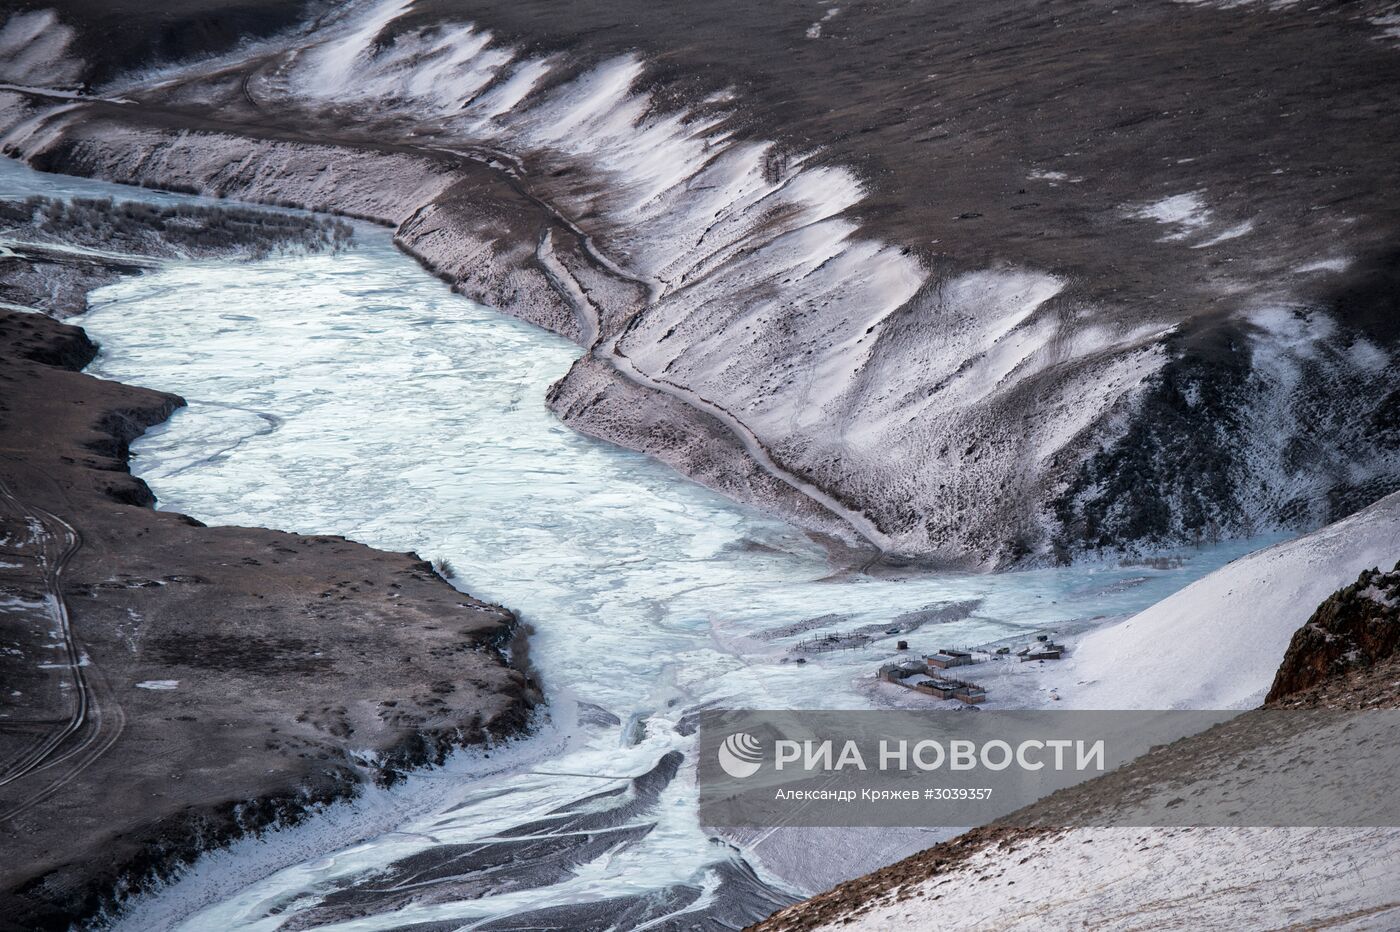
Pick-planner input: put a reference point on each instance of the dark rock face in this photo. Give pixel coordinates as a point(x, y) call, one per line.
point(1173, 474)
point(118, 35)
point(1184, 470)
point(170, 687)
point(1356, 628)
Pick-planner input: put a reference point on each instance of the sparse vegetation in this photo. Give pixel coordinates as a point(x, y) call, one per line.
point(444, 569)
point(170, 230)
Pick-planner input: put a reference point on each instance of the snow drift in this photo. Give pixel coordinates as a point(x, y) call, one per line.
point(1217, 643)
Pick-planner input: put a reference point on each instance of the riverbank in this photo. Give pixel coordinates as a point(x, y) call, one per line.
point(171, 686)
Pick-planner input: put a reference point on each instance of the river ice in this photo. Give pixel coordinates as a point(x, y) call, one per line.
point(355, 394)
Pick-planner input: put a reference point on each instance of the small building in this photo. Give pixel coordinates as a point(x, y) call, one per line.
point(890, 673)
point(948, 657)
point(1043, 650)
point(945, 688)
point(930, 685)
point(916, 676)
point(898, 673)
point(970, 693)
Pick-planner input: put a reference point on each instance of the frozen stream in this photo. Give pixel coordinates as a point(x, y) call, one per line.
point(355, 394)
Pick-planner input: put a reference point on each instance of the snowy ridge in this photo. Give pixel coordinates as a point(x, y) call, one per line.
point(1217, 643)
point(1121, 878)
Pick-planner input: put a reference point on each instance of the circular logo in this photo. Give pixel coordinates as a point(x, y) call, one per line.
point(740, 755)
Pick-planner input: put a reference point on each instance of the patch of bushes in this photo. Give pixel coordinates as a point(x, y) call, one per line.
point(170, 230)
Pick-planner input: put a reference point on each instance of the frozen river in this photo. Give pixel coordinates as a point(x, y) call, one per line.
point(355, 394)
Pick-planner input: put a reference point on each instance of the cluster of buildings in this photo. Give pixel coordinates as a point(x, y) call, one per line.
point(1042, 649)
point(927, 676)
point(919, 676)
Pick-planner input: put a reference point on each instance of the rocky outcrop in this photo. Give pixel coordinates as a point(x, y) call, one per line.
point(1356, 628)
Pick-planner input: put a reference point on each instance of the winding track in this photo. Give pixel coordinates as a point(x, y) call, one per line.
point(94, 720)
point(512, 167)
point(602, 346)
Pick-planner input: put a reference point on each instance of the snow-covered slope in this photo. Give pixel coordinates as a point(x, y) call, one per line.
point(1018, 876)
point(744, 318)
point(1217, 643)
point(1153, 879)
point(34, 50)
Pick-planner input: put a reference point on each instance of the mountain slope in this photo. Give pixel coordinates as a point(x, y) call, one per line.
point(940, 277)
point(1217, 643)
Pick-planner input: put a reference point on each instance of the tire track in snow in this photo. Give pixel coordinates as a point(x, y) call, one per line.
point(609, 352)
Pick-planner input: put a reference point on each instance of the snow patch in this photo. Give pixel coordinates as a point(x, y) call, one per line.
point(814, 31)
point(1187, 212)
point(1054, 177)
point(34, 50)
point(1237, 4)
point(1390, 26)
point(1325, 265)
point(1191, 217)
point(1380, 596)
point(1238, 230)
point(1189, 878)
